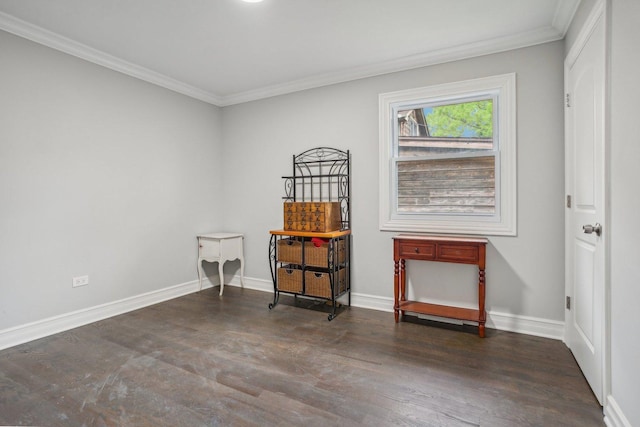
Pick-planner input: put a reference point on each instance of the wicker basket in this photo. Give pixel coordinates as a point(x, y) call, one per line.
point(289, 250)
point(318, 283)
point(289, 280)
point(317, 256)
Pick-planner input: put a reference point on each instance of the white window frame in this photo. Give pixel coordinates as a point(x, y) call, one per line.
point(504, 221)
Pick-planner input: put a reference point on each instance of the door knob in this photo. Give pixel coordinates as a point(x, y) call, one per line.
point(588, 229)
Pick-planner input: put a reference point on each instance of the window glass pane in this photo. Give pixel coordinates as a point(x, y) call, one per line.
point(464, 185)
point(448, 158)
point(449, 128)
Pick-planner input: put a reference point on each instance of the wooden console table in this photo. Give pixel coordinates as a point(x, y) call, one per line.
point(460, 250)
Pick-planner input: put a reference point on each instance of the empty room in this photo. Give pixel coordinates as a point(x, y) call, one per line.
point(319, 212)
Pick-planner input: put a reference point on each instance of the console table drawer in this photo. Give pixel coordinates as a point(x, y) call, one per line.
point(461, 253)
point(418, 250)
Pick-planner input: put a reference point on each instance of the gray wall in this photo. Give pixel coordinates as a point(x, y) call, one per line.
point(100, 174)
point(525, 274)
point(625, 205)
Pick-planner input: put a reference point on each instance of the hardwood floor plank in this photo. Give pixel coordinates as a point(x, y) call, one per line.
point(207, 360)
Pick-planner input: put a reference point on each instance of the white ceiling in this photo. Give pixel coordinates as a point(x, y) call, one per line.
point(228, 51)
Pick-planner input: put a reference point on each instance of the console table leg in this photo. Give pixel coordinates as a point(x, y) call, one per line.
point(396, 284)
point(403, 282)
point(481, 296)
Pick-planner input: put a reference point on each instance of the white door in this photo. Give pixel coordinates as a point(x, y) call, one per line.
point(585, 185)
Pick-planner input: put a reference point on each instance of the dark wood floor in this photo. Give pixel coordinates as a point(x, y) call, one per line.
point(229, 361)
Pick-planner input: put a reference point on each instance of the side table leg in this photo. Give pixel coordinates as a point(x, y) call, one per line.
point(221, 273)
point(200, 273)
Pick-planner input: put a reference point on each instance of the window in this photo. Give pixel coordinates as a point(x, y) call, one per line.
point(448, 158)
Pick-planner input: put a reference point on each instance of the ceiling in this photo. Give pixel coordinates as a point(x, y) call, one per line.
point(227, 51)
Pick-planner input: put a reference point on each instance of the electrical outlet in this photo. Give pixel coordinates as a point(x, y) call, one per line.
point(80, 281)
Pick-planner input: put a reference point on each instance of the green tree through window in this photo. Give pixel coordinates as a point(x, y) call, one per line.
point(469, 119)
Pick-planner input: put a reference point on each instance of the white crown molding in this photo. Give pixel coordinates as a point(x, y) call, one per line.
point(480, 48)
point(565, 10)
point(562, 18)
point(50, 39)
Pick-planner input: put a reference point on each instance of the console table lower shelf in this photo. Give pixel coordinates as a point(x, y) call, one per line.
point(459, 313)
point(459, 250)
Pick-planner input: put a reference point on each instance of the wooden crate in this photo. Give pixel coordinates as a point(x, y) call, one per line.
point(289, 280)
point(318, 256)
point(312, 216)
point(289, 251)
point(318, 283)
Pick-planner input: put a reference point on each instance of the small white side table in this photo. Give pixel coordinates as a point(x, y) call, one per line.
point(220, 248)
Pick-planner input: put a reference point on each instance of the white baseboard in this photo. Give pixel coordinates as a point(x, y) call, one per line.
point(39, 329)
point(255, 284)
point(613, 416)
point(53, 325)
point(526, 325)
point(372, 302)
point(502, 321)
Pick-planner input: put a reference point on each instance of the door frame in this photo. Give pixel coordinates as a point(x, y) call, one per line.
point(599, 11)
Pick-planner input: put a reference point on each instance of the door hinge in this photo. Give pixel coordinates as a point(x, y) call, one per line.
point(567, 99)
point(568, 303)
point(568, 200)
